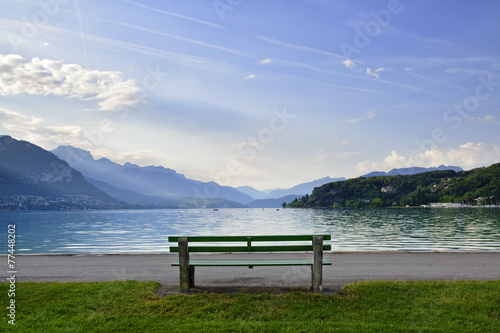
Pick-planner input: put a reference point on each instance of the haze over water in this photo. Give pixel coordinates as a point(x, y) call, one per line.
point(147, 231)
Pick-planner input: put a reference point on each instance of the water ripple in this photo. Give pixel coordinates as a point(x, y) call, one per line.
point(141, 231)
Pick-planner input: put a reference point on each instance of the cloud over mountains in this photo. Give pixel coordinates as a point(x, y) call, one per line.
point(468, 155)
point(48, 77)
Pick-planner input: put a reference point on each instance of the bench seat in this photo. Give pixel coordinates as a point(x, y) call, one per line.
point(252, 263)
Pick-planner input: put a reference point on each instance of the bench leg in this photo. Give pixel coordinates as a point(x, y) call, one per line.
point(184, 268)
point(317, 267)
point(191, 276)
point(312, 277)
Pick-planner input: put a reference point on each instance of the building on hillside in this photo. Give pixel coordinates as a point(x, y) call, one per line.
point(386, 189)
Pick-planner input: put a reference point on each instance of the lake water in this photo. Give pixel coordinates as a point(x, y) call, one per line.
point(146, 231)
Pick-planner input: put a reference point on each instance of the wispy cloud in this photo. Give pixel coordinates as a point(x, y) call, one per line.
point(315, 68)
point(375, 72)
point(251, 76)
point(189, 40)
point(423, 41)
point(487, 119)
point(471, 71)
point(298, 47)
point(35, 130)
point(369, 72)
point(345, 155)
point(369, 115)
point(399, 106)
point(213, 25)
point(178, 59)
point(349, 64)
point(48, 77)
point(139, 156)
point(467, 155)
point(322, 156)
point(334, 86)
point(265, 61)
point(79, 14)
point(453, 63)
point(436, 81)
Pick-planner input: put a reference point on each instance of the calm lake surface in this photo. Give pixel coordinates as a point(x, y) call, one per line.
point(146, 231)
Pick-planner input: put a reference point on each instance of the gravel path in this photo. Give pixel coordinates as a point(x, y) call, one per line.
point(346, 268)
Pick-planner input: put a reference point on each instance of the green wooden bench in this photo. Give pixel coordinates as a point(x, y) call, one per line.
point(244, 244)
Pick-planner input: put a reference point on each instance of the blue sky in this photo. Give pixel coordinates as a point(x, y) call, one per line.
point(260, 93)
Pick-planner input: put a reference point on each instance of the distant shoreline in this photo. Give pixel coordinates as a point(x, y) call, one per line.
point(444, 205)
point(438, 205)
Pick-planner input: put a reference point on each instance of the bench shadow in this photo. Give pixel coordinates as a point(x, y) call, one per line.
point(166, 290)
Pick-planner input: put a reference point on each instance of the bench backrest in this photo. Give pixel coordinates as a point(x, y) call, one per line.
point(248, 246)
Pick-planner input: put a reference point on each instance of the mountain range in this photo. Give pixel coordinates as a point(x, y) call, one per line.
point(298, 190)
point(151, 184)
point(71, 177)
point(31, 177)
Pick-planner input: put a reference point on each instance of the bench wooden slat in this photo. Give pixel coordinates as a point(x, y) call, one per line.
point(253, 262)
point(270, 248)
point(256, 238)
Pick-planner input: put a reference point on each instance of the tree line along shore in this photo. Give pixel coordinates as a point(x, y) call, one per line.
point(473, 188)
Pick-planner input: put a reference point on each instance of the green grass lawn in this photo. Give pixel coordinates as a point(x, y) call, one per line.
point(361, 307)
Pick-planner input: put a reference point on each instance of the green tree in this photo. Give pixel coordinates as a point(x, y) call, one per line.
point(377, 203)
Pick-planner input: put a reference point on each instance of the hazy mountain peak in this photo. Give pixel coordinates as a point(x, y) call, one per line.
point(304, 188)
point(83, 161)
point(72, 151)
point(254, 193)
point(130, 165)
point(161, 169)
